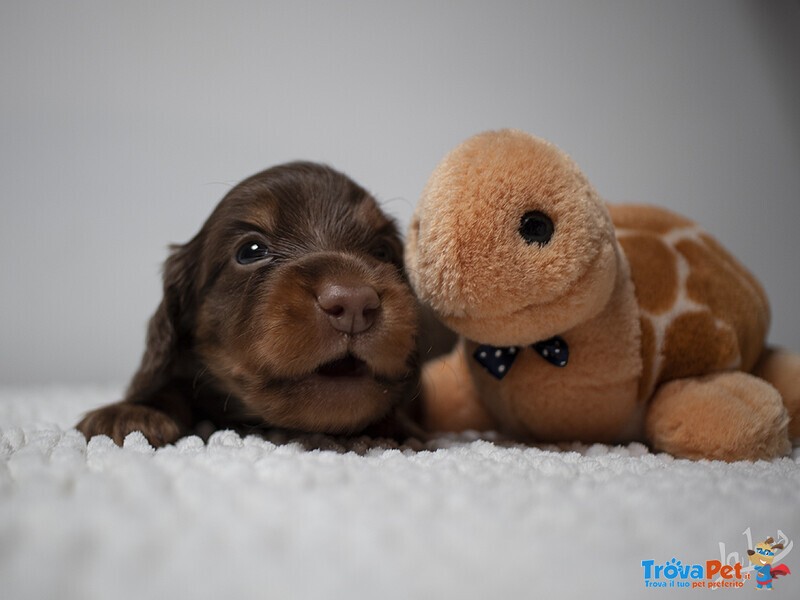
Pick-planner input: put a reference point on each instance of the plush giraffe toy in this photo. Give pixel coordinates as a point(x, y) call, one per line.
point(590, 322)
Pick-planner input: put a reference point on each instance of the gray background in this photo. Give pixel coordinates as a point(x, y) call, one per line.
point(123, 123)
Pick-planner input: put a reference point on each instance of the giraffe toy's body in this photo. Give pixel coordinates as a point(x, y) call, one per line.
point(700, 310)
point(582, 321)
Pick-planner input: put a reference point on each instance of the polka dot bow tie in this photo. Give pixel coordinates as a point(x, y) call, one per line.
point(498, 361)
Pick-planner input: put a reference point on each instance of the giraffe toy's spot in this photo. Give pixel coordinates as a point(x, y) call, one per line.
point(694, 345)
point(654, 269)
point(718, 281)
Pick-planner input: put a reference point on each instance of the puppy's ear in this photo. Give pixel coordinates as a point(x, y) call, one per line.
point(169, 330)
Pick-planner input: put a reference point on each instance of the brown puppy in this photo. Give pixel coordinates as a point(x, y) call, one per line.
point(289, 308)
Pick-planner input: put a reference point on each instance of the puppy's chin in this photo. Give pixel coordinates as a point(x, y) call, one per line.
point(334, 399)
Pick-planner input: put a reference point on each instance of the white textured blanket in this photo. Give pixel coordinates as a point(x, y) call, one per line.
point(468, 518)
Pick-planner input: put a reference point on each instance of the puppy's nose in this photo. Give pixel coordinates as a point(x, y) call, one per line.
point(351, 309)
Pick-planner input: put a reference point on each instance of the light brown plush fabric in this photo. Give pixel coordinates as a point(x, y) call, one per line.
point(594, 398)
point(654, 269)
point(475, 271)
point(781, 368)
point(659, 318)
point(724, 416)
point(452, 402)
point(707, 312)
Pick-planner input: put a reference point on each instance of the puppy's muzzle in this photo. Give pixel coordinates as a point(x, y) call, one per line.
point(351, 309)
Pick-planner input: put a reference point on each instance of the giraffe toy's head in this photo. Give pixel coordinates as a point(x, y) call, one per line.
point(510, 244)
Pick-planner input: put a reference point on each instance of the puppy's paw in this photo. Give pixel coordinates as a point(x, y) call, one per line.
point(399, 427)
point(118, 420)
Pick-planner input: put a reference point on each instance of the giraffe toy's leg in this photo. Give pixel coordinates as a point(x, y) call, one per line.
point(724, 416)
point(782, 369)
point(449, 397)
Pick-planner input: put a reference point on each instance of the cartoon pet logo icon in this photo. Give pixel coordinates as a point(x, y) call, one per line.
point(762, 558)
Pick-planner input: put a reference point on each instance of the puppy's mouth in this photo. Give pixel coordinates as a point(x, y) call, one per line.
point(347, 366)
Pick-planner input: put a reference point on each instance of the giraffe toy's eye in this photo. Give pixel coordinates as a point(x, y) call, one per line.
point(536, 227)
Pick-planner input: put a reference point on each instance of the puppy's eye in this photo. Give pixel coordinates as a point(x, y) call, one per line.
point(383, 253)
point(252, 252)
point(535, 226)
